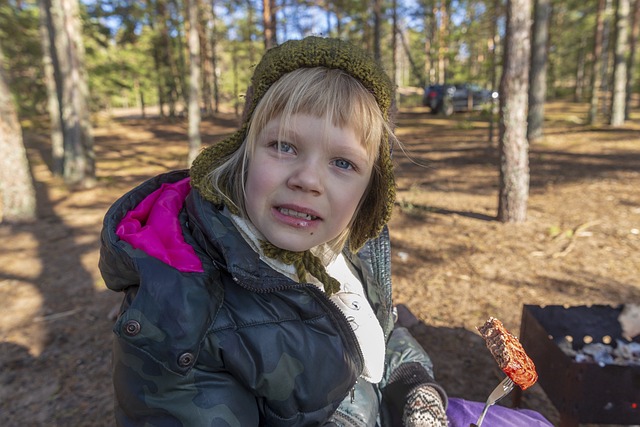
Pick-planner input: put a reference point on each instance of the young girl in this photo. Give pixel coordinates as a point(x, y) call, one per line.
point(257, 284)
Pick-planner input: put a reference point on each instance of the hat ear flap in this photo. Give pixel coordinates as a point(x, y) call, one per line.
point(377, 206)
point(212, 157)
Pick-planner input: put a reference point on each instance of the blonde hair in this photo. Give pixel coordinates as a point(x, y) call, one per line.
point(330, 94)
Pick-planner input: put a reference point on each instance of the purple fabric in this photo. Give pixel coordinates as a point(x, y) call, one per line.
point(462, 413)
point(154, 228)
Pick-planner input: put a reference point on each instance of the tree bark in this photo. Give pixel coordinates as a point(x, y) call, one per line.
point(205, 23)
point(428, 38)
point(269, 20)
point(179, 66)
point(195, 141)
point(633, 45)
point(443, 40)
point(50, 63)
point(167, 66)
point(79, 159)
point(538, 75)
point(514, 147)
point(214, 60)
point(247, 30)
point(618, 95)
point(605, 81)
point(154, 24)
point(17, 194)
point(597, 62)
point(377, 24)
point(394, 47)
point(236, 91)
point(494, 64)
point(580, 70)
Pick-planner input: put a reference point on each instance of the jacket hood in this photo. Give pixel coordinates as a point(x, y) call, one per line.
point(146, 221)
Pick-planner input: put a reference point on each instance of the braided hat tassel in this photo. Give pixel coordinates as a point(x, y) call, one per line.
point(303, 262)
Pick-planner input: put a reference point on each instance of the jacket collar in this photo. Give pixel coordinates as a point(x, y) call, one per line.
point(220, 239)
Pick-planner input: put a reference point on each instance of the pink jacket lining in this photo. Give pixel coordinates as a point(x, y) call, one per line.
point(153, 227)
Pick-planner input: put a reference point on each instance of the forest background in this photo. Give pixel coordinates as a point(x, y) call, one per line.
point(96, 96)
point(70, 59)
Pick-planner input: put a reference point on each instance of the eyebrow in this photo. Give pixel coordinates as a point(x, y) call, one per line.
point(278, 130)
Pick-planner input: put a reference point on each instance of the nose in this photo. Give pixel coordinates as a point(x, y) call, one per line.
point(306, 176)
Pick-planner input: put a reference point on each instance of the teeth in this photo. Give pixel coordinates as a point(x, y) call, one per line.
point(296, 214)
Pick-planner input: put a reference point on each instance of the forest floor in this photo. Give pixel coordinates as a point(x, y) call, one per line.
point(454, 265)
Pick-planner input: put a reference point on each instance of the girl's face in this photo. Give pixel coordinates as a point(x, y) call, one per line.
point(304, 190)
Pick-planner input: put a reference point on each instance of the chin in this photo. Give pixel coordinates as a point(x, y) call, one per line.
point(295, 248)
point(287, 245)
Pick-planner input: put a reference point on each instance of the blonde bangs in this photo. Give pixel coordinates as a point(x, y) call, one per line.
point(325, 93)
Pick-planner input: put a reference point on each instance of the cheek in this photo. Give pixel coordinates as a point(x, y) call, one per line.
point(257, 185)
point(353, 197)
point(250, 190)
point(253, 199)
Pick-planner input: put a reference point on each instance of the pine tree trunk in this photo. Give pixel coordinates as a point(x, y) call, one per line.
point(204, 35)
point(194, 81)
point(236, 90)
point(394, 44)
point(248, 29)
point(377, 24)
point(538, 75)
point(17, 194)
point(633, 45)
point(514, 147)
point(166, 63)
point(618, 95)
point(154, 23)
point(269, 20)
point(85, 160)
point(179, 67)
point(597, 62)
point(494, 64)
point(605, 82)
point(428, 69)
point(49, 59)
point(214, 61)
point(79, 160)
point(580, 70)
point(443, 39)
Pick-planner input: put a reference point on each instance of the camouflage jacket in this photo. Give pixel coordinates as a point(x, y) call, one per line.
point(233, 342)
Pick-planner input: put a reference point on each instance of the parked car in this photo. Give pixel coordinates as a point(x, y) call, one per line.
point(449, 98)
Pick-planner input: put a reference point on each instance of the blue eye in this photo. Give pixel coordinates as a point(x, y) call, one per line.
point(285, 147)
point(343, 164)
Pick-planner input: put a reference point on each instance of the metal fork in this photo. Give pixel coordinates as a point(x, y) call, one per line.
point(501, 390)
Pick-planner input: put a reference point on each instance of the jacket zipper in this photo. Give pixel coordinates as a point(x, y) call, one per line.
point(334, 308)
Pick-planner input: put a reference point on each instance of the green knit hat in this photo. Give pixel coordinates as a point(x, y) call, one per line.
point(314, 52)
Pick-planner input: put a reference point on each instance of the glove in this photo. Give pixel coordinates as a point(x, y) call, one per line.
point(424, 408)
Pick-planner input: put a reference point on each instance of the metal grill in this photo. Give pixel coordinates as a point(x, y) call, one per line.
point(582, 392)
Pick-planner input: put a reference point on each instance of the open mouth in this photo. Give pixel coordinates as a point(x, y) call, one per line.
point(296, 214)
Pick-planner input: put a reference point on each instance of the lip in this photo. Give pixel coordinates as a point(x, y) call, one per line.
point(294, 221)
